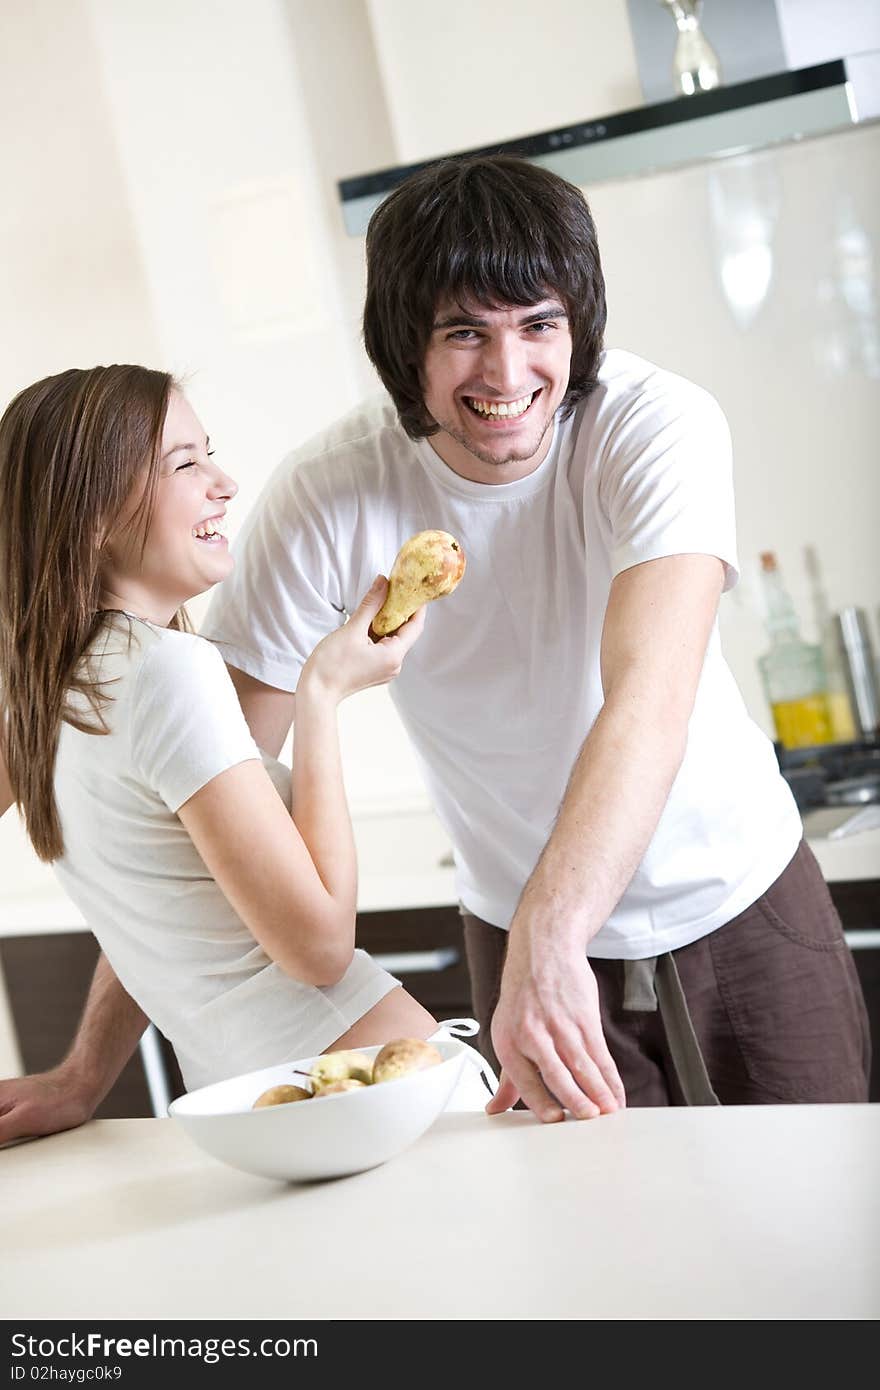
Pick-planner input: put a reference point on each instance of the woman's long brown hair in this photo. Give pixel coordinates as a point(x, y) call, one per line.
point(72, 448)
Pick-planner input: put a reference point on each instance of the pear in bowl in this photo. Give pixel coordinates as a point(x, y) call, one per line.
point(333, 1067)
point(281, 1095)
point(348, 1083)
point(428, 566)
point(402, 1056)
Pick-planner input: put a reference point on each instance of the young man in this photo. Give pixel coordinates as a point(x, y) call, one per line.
point(623, 836)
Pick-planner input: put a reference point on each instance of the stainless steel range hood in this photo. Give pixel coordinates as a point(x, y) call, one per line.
point(730, 120)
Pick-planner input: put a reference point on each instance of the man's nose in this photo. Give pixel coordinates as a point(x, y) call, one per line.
point(504, 364)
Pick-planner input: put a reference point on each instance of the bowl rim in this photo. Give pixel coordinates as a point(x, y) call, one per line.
point(178, 1109)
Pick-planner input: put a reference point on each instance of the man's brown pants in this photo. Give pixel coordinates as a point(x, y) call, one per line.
point(773, 995)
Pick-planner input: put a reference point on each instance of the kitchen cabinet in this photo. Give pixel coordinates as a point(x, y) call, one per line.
point(47, 979)
point(859, 907)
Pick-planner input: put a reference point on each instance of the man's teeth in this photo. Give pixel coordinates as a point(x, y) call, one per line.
point(503, 408)
point(216, 527)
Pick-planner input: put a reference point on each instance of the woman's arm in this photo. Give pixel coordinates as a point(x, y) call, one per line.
point(293, 880)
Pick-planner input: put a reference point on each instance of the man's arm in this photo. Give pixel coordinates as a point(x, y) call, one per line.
point(108, 1033)
point(69, 1094)
point(268, 711)
point(547, 1030)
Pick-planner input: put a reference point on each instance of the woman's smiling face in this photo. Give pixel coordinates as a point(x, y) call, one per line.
point(186, 551)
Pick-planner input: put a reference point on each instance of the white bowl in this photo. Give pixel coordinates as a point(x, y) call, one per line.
point(326, 1137)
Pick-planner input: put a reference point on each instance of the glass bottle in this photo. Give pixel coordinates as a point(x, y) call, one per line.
point(792, 670)
point(843, 726)
point(695, 64)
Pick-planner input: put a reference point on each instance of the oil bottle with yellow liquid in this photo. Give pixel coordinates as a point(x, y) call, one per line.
point(793, 670)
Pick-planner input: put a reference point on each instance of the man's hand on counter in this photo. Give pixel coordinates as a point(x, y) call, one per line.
point(46, 1103)
point(68, 1095)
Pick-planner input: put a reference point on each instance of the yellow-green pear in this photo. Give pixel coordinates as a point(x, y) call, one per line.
point(347, 1084)
point(428, 565)
point(341, 1066)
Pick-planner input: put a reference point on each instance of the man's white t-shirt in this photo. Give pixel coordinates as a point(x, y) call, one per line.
point(504, 685)
point(131, 868)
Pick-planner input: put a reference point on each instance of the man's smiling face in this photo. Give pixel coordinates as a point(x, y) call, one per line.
point(493, 379)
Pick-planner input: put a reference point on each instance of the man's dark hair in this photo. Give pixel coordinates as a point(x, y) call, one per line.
point(495, 229)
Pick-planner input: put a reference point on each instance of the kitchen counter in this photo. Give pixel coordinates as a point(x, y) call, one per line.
point(744, 1212)
point(404, 860)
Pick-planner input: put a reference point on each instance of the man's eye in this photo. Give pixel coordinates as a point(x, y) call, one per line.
point(462, 335)
point(540, 328)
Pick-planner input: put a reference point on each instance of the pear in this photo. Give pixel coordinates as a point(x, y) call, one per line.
point(280, 1095)
point(341, 1066)
point(428, 565)
point(402, 1056)
point(349, 1083)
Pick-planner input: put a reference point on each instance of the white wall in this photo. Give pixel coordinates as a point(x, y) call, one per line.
point(466, 74)
point(814, 31)
point(72, 282)
point(174, 166)
point(758, 277)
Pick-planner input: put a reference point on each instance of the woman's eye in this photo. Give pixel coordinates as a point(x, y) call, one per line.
point(193, 463)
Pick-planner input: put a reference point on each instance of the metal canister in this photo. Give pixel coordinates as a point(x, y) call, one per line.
point(853, 635)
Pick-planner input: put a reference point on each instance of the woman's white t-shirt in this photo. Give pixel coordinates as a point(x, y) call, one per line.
point(131, 868)
point(504, 685)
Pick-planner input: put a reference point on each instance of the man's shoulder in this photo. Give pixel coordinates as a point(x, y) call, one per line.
point(627, 383)
point(370, 430)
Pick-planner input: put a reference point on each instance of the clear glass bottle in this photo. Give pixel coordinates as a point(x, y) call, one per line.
point(793, 670)
point(695, 64)
point(843, 725)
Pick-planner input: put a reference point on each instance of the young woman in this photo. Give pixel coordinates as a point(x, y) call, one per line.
point(221, 887)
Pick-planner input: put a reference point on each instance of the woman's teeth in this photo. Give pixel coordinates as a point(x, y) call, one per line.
point(504, 409)
point(208, 530)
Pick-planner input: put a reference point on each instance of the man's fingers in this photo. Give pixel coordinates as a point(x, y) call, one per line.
point(14, 1126)
point(521, 1079)
point(594, 1072)
point(505, 1098)
point(580, 1086)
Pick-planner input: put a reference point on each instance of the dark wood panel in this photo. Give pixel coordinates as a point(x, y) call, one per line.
point(47, 980)
point(859, 906)
point(48, 977)
point(447, 992)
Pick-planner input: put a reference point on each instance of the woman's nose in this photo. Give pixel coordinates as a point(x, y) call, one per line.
point(223, 485)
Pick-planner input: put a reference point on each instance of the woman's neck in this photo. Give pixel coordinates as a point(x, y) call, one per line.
point(138, 605)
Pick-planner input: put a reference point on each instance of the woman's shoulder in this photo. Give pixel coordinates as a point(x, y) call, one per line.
point(168, 654)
